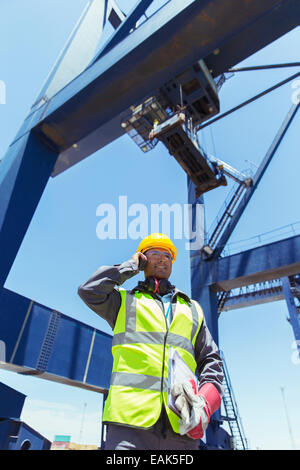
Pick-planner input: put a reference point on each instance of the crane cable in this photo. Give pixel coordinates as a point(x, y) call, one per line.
point(274, 87)
point(265, 67)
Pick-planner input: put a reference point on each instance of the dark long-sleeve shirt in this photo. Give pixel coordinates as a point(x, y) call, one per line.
point(102, 295)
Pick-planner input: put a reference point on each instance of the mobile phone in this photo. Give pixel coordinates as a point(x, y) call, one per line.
point(142, 264)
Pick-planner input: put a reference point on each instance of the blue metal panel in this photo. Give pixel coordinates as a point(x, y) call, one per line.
point(217, 439)
point(260, 264)
point(31, 340)
point(70, 353)
point(24, 171)
point(7, 428)
point(16, 435)
point(86, 355)
point(11, 302)
point(11, 402)
point(101, 361)
point(41, 341)
point(29, 439)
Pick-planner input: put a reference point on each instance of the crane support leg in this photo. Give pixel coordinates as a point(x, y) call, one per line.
point(24, 173)
point(293, 312)
point(207, 299)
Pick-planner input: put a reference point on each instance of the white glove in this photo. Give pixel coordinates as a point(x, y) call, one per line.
point(191, 407)
point(181, 401)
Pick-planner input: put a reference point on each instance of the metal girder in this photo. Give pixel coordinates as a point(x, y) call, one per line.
point(260, 264)
point(45, 343)
point(166, 44)
point(123, 30)
point(253, 298)
point(276, 21)
point(78, 52)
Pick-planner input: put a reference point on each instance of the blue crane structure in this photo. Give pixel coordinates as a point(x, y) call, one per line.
point(157, 79)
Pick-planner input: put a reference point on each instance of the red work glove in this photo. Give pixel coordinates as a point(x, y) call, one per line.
point(212, 402)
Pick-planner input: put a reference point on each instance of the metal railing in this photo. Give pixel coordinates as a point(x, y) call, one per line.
point(277, 234)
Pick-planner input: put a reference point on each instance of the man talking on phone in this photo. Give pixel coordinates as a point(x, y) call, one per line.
point(148, 322)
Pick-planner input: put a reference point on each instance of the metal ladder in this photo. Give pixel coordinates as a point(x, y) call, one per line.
point(48, 342)
point(239, 441)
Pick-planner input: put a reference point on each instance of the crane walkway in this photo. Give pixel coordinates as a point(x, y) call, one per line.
point(225, 215)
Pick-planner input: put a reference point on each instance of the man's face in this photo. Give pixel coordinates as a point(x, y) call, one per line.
point(159, 263)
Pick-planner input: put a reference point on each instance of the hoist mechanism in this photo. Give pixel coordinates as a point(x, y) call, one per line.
point(178, 137)
point(172, 114)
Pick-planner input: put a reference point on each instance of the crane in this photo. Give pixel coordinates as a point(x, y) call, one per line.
point(156, 79)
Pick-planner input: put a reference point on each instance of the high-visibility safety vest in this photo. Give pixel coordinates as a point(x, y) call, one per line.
point(140, 348)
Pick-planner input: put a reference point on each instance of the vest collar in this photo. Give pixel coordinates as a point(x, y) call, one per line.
point(175, 293)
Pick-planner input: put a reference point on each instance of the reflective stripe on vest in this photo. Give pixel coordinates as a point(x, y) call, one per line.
point(140, 348)
point(147, 382)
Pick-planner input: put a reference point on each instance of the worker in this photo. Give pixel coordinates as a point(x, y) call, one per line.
point(148, 321)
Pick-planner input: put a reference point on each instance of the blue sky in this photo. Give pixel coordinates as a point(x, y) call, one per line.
point(61, 248)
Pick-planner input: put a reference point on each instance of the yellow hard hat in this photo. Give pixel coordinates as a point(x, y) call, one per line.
point(157, 240)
